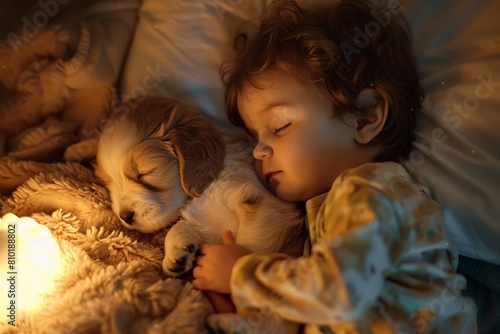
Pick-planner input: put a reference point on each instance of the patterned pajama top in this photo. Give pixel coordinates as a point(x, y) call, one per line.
point(380, 262)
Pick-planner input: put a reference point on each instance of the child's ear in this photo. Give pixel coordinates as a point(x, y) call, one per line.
point(369, 125)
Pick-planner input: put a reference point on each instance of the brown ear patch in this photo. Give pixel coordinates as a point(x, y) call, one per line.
point(199, 146)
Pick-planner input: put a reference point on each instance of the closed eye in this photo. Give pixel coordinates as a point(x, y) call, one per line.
point(140, 177)
point(137, 178)
point(143, 179)
point(281, 129)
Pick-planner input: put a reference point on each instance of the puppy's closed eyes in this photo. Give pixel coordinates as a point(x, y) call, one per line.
point(154, 158)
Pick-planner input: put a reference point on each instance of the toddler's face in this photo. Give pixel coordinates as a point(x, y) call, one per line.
point(301, 146)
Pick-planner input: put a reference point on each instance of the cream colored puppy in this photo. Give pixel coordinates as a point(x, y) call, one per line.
point(163, 162)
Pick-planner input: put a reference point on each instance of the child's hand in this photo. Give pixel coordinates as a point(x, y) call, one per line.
point(215, 263)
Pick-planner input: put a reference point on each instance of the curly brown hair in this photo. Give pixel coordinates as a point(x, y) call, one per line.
point(351, 47)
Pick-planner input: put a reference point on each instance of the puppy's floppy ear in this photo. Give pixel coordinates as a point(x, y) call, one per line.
point(199, 147)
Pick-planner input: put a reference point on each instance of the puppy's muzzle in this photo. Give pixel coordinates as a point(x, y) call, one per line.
point(127, 216)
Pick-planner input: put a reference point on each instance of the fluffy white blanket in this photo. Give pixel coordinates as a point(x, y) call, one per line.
point(111, 280)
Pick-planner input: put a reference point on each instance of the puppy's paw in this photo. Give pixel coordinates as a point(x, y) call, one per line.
point(179, 259)
point(182, 245)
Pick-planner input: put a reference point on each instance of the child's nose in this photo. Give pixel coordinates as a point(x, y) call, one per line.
point(262, 150)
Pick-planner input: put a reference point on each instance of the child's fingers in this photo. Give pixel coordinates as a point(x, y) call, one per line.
point(205, 283)
point(227, 238)
point(198, 271)
point(200, 284)
point(205, 248)
point(199, 274)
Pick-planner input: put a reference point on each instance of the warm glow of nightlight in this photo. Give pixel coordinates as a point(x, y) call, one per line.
point(29, 261)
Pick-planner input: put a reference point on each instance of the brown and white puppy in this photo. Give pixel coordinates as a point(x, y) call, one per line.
point(153, 157)
point(163, 161)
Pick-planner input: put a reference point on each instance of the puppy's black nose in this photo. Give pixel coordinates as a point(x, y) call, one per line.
point(127, 216)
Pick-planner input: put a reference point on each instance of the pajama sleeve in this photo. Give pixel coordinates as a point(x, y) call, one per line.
point(359, 243)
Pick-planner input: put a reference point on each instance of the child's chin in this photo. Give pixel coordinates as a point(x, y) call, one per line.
point(281, 193)
point(273, 186)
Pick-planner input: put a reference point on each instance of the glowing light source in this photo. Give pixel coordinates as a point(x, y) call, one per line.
point(29, 261)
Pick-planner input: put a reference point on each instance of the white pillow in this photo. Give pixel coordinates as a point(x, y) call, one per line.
point(458, 133)
point(178, 48)
point(184, 43)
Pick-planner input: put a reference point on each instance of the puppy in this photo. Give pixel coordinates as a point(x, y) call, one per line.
point(163, 162)
point(153, 157)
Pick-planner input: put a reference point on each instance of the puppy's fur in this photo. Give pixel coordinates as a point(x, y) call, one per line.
point(163, 162)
